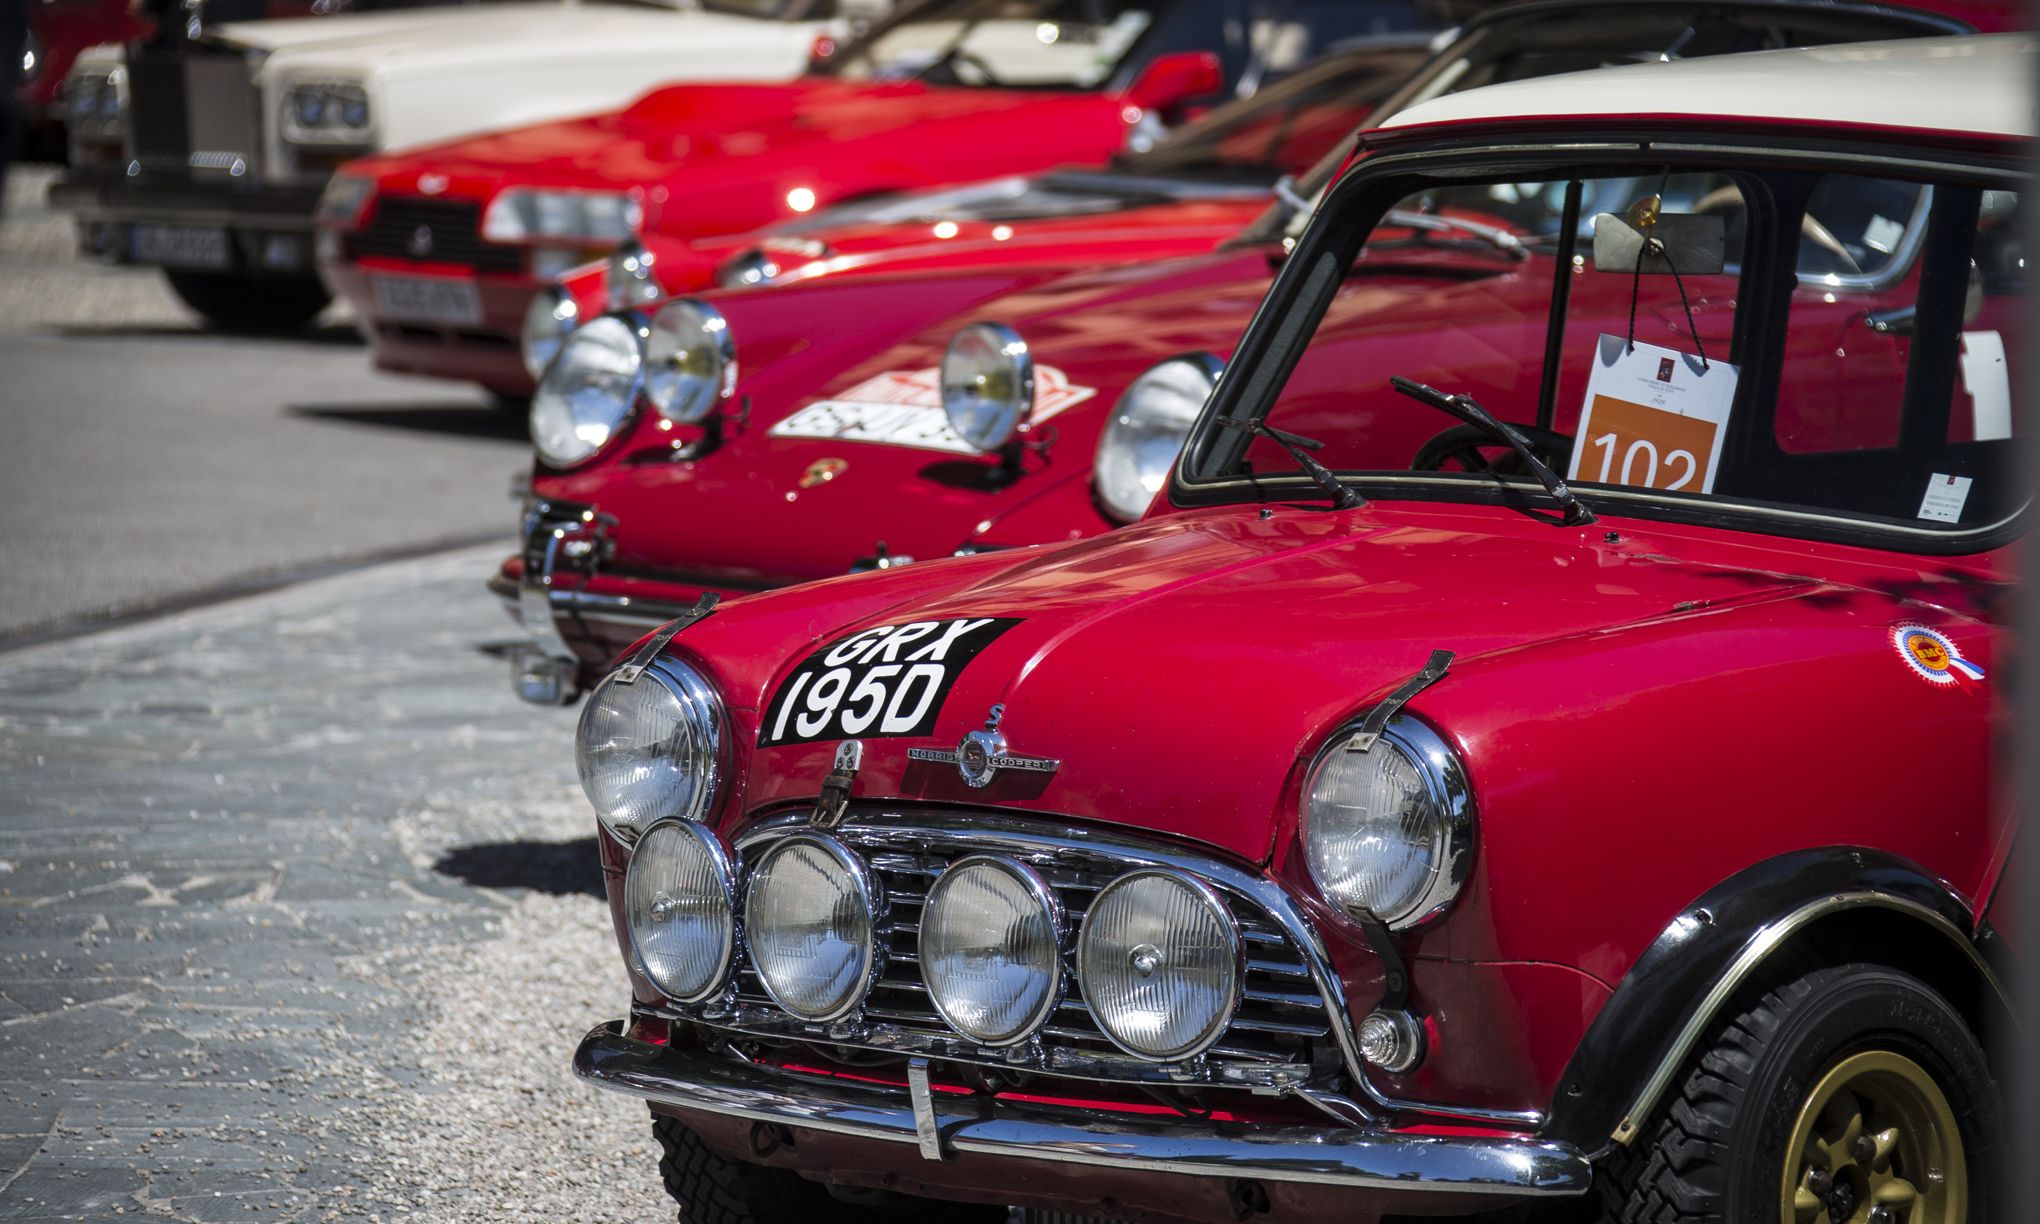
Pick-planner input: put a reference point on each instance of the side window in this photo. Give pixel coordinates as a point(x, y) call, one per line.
point(1850, 336)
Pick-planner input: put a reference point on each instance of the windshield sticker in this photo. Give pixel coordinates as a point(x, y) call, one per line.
point(1654, 418)
point(1933, 657)
point(1946, 495)
point(904, 408)
point(889, 680)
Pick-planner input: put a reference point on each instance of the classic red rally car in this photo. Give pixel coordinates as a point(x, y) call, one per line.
point(733, 443)
point(1540, 766)
point(1188, 192)
point(944, 91)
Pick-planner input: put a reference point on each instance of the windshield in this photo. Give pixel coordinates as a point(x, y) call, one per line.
point(1287, 126)
point(1882, 302)
point(1543, 40)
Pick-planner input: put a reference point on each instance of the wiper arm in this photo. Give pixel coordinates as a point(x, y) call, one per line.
point(1434, 223)
point(1285, 191)
point(1467, 409)
point(1344, 496)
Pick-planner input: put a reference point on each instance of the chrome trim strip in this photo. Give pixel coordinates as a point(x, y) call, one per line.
point(927, 1124)
point(1760, 946)
point(690, 1080)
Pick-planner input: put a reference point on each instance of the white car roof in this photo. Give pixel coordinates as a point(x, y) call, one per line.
point(1973, 84)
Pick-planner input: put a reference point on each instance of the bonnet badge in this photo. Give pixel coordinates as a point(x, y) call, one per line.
point(982, 754)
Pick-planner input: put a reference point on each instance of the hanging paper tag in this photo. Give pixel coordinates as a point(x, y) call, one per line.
point(1654, 418)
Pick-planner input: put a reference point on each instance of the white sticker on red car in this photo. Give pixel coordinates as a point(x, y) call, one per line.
point(904, 408)
point(889, 680)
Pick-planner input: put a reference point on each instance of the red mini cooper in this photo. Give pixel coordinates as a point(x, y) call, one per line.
point(740, 441)
point(442, 249)
point(1544, 767)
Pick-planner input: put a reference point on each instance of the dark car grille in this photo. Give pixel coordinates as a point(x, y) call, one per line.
point(1282, 1018)
point(451, 234)
point(195, 111)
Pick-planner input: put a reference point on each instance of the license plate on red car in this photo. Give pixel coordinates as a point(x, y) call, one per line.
point(180, 246)
point(411, 299)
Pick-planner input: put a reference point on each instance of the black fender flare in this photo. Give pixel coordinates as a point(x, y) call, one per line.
point(1662, 1007)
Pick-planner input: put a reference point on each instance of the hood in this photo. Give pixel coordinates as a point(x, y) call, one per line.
point(1187, 661)
point(770, 528)
point(394, 30)
point(555, 36)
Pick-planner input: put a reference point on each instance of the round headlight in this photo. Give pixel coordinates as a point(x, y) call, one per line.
point(987, 384)
point(991, 949)
point(809, 918)
point(548, 321)
point(679, 900)
point(585, 395)
point(630, 280)
point(353, 109)
point(1159, 958)
point(1146, 432)
point(310, 107)
point(1389, 832)
point(651, 749)
point(690, 360)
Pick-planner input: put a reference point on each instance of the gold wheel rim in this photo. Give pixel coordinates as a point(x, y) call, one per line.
point(1875, 1142)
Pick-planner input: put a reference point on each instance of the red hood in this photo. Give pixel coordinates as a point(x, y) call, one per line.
point(1189, 618)
point(1094, 332)
point(721, 158)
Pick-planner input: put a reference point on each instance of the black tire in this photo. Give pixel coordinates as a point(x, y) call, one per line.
point(251, 305)
point(1713, 1152)
point(712, 1188)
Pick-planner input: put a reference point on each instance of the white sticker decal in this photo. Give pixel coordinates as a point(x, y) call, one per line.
point(904, 408)
point(1654, 418)
point(1945, 498)
point(1989, 385)
point(1882, 234)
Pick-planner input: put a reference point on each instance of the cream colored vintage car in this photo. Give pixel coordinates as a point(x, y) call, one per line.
point(206, 156)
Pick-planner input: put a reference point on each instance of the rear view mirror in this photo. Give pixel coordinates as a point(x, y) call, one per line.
point(1172, 79)
point(1693, 244)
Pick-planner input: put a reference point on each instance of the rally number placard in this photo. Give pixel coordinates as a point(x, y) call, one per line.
point(1654, 418)
point(889, 680)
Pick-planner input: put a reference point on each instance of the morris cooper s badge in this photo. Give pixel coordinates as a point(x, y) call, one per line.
point(982, 754)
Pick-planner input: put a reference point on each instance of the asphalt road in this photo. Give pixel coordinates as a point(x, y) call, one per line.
point(151, 462)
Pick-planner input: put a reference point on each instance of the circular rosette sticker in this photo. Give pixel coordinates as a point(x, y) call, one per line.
point(1932, 656)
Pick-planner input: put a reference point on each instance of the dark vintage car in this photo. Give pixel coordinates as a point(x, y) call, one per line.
point(743, 440)
point(1538, 763)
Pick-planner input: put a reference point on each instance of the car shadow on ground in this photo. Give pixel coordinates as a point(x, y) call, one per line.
point(559, 868)
point(467, 420)
point(336, 335)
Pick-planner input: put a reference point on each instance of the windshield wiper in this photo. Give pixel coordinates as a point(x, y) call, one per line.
point(1468, 409)
point(1344, 496)
point(1434, 223)
point(1285, 191)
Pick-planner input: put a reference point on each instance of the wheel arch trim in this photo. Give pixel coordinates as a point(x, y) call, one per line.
point(1709, 951)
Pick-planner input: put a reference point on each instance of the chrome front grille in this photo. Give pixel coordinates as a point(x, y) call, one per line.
point(1283, 1033)
point(194, 112)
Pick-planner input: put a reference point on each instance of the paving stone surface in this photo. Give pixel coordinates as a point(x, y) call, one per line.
point(299, 920)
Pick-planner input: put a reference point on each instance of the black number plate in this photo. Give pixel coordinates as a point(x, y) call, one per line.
point(885, 681)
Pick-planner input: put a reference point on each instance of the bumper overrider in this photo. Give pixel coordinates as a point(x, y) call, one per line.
point(693, 1081)
point(565, 543)
point(267, 226)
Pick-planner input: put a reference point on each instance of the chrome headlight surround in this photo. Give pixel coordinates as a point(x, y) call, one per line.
point(1098, 961)
point(627, 280)
point(756, 266)
point(1036, 903)
point(588, 393)
point(328, 113)
point(691, 846)
point(862, 910)
point(548, 321)
point(690, 361)
point(1414, 760)
point(987, 385)
point(1145, 434)
point(677, 724)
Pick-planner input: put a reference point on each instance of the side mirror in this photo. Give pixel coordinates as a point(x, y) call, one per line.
point(1172, 79)
point(1695, 243)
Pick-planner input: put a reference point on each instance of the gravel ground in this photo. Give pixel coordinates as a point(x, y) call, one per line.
point(300, 921)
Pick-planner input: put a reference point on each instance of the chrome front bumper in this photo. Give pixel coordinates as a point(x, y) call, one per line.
point(689, 1080)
